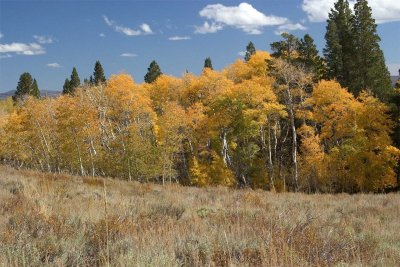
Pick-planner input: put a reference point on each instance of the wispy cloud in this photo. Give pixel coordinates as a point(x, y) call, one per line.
point(290, 27)
point(44, 39)
point(53, 65)
point(108, 21)
point(1, 35)
point(242, 53)
point(144, 29)
point(179, 38)
point(208, 28)
point(382, 10)
point(22, 49)
point(244, 17)
point(102, 35)
point(128, 55)
point(5, 56)
point(127, 31)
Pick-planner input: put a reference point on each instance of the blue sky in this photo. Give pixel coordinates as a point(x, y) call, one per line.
point(48, 38)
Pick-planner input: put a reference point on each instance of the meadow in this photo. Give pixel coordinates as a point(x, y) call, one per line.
point(62, 220)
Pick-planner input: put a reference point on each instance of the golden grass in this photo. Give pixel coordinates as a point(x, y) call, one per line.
point(61, 220)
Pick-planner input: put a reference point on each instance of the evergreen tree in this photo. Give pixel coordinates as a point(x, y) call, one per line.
point(250, 50)
point(309, 57)
point(35, 89)
point(208, 63)
point(287, 48)
point(66, 87)
point(370, 71)
point(24, 86)
point(153, 71)
point(75, 82)
point(339, 49)
point(98, 74)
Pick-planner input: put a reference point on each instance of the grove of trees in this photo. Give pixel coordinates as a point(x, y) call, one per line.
point(286, 121)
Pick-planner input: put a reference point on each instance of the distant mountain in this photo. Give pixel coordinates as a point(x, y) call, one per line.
point(43, 93)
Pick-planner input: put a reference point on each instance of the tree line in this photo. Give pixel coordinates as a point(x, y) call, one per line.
point(286, 121)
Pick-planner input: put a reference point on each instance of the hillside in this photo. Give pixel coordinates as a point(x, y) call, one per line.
point(61, 220)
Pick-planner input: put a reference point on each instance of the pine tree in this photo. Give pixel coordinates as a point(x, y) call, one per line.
point(287, 48)
point(66, 87)
point(24, 86)
point(339, 49)
point(98, 74)
point(35, 89)
point(309, 57)
point(370, 71)
point(153, 71)
point(250, 50)
point(75, 82)
point(208, 63)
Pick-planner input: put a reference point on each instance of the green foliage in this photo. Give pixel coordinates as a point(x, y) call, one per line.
point(287, 48)
point(339, 50)
point(26, 86)
point(75, 82)
point(66, 87)
point(309, 57)
point(208, 63)
point(153, 72)
point(70, 86)
point(98, 74)
point(352, 50)
point(35, 89)
point(250, 50)
point(370, 72)
point(302, 53)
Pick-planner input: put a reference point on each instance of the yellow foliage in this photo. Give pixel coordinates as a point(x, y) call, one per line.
point(255, 67)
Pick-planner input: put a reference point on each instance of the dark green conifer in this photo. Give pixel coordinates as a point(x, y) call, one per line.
point(153, 72)
point(250, 50)
point(208, 63)
point(98, 74)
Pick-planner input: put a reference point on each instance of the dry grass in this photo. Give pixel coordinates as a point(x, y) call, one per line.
point(60, 220)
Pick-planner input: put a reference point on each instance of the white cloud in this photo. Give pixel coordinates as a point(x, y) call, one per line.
point(53, 65)
point(22, 49)
point(208, 28)
point(144, 28)
point(179, 38)
point(128, 55)
point(290, 27)
point(43, 39)
point(102, 35)
point(127, 31)
point(242, 53)
point(244, 17)
point(382, 10)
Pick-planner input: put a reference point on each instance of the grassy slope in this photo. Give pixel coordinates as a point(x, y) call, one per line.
point(61, 220)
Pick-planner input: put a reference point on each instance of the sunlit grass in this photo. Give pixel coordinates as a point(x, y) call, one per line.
point(61, 220)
